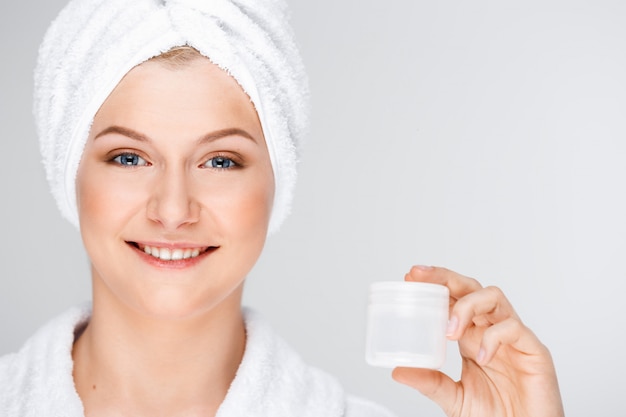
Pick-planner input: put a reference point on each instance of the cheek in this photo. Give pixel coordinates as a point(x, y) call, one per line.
point(256, 206)
point(88, 196)
point(103, 200)
point(247, 208)
point(255, 210)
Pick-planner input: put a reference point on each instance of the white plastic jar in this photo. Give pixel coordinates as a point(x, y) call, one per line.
point(406, 324)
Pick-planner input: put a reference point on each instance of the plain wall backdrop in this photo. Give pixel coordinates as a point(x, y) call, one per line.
point(485, 136)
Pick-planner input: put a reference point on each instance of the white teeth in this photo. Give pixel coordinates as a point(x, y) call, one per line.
point(166, 254)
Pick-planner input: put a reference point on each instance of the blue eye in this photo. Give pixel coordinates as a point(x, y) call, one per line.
point(220, 162)
point(130, 159)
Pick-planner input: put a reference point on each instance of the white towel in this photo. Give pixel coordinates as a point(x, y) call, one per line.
point(93, 43)
point(272, 380)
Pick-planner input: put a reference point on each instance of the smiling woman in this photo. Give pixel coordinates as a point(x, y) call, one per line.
point(173, 151)
point(175, 163)
point(156, 192)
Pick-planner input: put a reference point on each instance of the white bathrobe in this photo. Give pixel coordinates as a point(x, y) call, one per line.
point(272, 380)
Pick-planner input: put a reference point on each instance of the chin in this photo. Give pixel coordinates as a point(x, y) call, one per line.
point(180, 305)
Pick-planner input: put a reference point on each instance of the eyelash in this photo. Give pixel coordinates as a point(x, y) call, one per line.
point(224, 158)
point(129, 154)
point(233, 163)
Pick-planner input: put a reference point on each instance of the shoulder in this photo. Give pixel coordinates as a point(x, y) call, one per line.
point(12, 378)
point(360, 407)
point(38, 378)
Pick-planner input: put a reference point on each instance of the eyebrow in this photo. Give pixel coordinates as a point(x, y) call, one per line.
point(209, 137)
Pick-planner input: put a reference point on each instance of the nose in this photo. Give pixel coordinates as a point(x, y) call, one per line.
point(172, 203)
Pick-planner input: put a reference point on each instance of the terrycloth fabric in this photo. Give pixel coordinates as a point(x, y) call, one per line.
point(272, 380)
point(93, 43)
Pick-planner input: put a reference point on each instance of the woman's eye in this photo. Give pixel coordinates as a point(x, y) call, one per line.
point(220, 162)
point(130, 159)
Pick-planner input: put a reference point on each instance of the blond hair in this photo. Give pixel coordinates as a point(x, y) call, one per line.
point(178, 56)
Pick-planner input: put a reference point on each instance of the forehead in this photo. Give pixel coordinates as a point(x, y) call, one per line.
point(195, 97)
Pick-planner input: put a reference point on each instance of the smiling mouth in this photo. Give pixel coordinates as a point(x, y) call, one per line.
point(170, 254)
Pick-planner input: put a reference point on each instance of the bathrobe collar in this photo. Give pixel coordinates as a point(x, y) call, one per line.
point(272, 380)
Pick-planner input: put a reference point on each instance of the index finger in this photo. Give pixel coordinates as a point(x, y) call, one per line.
point(459, 285)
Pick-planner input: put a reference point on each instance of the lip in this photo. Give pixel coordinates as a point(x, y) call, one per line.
point(171, 264)
point(169, 245)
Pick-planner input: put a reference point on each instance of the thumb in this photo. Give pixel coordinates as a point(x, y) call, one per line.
point(436, 385)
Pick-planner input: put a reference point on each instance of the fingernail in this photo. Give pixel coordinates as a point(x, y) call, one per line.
point(453, 324)
point(481, 356)
point(424, 267)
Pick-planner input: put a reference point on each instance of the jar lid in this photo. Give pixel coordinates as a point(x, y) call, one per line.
point(398, 291)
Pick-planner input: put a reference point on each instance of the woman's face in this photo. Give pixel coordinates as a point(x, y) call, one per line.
point(174, 189)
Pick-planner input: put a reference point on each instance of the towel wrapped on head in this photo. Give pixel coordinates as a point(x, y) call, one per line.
point(93, 43)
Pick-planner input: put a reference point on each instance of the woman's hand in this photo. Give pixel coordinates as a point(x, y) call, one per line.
point(506, 370)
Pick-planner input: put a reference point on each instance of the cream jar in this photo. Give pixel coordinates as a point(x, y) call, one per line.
point(406, 324)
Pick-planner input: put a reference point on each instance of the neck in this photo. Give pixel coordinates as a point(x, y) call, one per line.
point(128, 363)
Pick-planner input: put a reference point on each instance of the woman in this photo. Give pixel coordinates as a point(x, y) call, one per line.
point(169, 131)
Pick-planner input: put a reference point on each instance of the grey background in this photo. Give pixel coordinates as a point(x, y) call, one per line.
point(485, 136)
